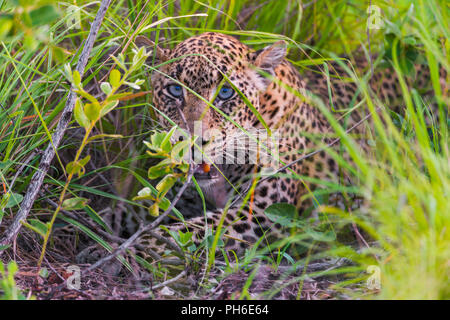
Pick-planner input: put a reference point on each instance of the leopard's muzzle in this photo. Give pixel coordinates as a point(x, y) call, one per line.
point(213, 184)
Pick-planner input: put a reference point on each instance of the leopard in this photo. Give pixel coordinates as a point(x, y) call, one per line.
point(216, 82)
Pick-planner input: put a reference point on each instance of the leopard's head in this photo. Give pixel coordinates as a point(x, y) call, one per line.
point(209, 84)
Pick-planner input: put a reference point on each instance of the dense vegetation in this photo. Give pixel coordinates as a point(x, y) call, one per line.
point(404, 234)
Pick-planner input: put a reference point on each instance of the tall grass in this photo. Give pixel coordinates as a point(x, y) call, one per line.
point(408, 181)
point(405, 181)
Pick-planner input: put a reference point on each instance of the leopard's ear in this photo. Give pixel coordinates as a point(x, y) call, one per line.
point(268, 59)
point(162, 55)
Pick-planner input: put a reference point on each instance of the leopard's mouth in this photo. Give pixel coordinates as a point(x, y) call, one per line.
point(212, 183)
point(211, 173)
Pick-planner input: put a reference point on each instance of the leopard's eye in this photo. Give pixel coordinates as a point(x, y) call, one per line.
point(175, 90)
point(225, 93)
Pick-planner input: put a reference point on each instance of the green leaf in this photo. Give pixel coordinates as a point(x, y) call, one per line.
point(283, 213)
point(153, 210)
point(76, 78)
point(30, 42)
point(84, 161)
point(164, 204)
point(138, 55)
point(14, 199)
point(6, 24)
point(76, 203)
point(119, 96)
point(79, 115)
point(106, 88)
point(12, 268)
point(109, 107)
point(132, 85)
point(185, 238)
point(92, 111)
point(37, 226)
point(86, 95)
point(165, 143)
point(43, 15)
point(166, 184)
point(158, 171)
point(67, 72)
point(114, 78)
point(155, 140)
point(59, 54)
point(210, 241)
point(74, 168)
point(144, 194)
point(162, 168)
point(180, 149)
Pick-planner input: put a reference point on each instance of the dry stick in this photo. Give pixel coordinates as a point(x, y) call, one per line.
point(165, 283)
point(38, 177)
point(117, 239)
point(144, 228)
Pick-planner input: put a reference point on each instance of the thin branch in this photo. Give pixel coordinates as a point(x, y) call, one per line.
point(38, 177)
point(143, 228)
point(165, 283)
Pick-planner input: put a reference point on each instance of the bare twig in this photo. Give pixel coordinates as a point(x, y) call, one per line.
point(144, 228)
point(38, 177)
point(174, 279)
